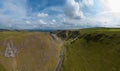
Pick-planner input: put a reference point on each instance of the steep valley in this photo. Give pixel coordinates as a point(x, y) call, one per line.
point(91, 49)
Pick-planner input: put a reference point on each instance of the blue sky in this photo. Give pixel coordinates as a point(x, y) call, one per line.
point(58, 14)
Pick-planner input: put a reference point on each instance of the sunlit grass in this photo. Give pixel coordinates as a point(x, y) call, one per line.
point(36, 51)
point(94, 50)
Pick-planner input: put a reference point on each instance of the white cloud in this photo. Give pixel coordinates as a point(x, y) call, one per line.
point(42, 15)
point(12, 11)
point(87, 2)
point(54, 8)
point(14, 8)
point(14, 14)
point(54, 20)
point(102, 20)
point(42, 22)
point(28, 22)
point(72, 9)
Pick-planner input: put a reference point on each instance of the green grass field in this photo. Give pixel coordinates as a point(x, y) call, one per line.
point(92, 50)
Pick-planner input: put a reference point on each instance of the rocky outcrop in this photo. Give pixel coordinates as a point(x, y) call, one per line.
point(10, 50)
point(54, 36)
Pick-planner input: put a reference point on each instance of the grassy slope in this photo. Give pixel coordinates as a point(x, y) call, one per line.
point(93, 50)
point(2, 68)
point(35, 51)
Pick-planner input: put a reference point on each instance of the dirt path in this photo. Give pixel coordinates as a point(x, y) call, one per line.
point(58, 66)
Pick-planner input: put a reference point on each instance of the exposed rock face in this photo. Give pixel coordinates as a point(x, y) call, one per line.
point(10, 50)
point(54, 36)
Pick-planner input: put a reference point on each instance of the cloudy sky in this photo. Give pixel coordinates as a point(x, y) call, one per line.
point(59, 14)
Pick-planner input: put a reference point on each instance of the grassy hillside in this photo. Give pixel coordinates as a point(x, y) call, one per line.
point(28, 51)
point(92, 50)
point(2, 68)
